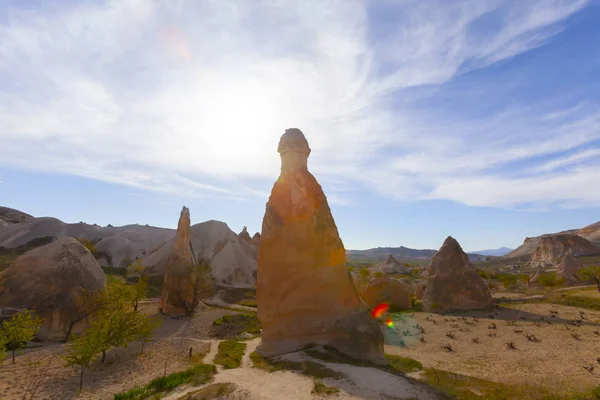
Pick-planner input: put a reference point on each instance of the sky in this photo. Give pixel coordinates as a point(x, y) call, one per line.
point(478, 119)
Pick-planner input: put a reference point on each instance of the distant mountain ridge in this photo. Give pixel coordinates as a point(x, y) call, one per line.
point(399, 253)
point(493, 252)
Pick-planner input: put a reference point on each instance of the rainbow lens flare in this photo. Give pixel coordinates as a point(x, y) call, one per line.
point(390, 323)
point(380, 310)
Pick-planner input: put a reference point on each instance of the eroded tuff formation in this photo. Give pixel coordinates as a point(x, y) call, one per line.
point(453, 283)
point(245, 235)
point(555, 247)
point(177, 287)
point(50, 279)
point(387, 290)
point(256, 239)
point(568, 269)
point(390, 266)
point(305, 293)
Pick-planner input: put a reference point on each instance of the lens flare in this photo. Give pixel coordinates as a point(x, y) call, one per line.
point(390, 323)
point(380, 310)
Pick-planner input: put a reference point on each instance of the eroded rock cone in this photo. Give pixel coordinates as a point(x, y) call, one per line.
point(453, 283)
point(177, 291)
point(50, 280)
point(568, 269)
point(245, 235)
point(256, 239)
point(304, 291)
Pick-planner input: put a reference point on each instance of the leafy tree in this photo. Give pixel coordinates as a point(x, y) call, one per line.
point(88, 245)
point(82, 352)
point(364, 272)
point(20, 329)
point(203, 285)
point(378, 274)
point(87, 303)
point(549, 279)
point(140, 289)
point(590, 273)
point(2, 346)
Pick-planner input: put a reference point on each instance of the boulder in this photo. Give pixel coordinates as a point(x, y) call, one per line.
point(304, 291)
point(453, 283)
point(50, 280)
point(177, 289)
point(245, 235)
point(568, 269)
point(387, 290)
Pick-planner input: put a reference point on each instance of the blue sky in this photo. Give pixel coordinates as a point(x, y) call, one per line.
point(477, 119)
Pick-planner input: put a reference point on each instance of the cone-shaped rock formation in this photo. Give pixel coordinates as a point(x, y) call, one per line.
point(453, 283)
point(177, 290)
point(304, 291)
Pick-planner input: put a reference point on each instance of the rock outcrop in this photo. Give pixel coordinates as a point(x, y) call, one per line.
point(453, 283)
point(387, 290)
point(50, 280)
point(304, 291)
point(420, 290)
point(256, 239)
point(568, 269)
point(12, 216)
point(245, 235)
point(555, 247)
point(232, 260)
point(390, 266)
point(177, 290)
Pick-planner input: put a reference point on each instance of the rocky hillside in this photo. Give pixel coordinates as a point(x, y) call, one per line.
point(399, 253)
point(233, 259)
point(584, 241)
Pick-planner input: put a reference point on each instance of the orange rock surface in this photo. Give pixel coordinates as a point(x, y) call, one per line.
point(304, 291)
point(387, 290)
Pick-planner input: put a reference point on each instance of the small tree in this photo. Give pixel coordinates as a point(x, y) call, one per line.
point(202, 285)
point(20, 329)
point(88, 303)
point(140, 289)
point(82, 352)
point(590, 273)
point(2, 346)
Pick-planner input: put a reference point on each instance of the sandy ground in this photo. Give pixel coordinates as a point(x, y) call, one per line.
point(557, 361)
point(359, 382)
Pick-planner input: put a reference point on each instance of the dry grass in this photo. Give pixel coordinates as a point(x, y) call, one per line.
point(543, 355)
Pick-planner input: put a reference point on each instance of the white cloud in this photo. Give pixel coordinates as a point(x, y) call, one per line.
point(191, 97)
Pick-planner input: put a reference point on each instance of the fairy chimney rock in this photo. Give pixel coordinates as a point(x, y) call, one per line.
point(177, 290)
point(305, 293)
point(453, 283)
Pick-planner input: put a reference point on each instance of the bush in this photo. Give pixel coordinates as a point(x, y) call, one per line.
point(549, 279)
point(403, 364)
point(230, 354)
point(231, 326)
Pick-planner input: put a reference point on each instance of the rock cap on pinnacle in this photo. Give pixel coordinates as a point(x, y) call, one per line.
point(185, 211)
point(293, 140)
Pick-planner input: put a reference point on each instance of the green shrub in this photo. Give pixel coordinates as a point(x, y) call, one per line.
point(365, 272)
point(322, 389)
point(231, 326)
point(230, 354)
point(403, 364)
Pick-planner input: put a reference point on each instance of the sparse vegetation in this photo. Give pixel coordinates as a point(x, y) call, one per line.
point(511, 345)
point(230, 354)
point(231, 326)
point(448, 348)
point(322, 389)
point(212, 391)
point(198, 375)
point(308, 368)
point(403, 364)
